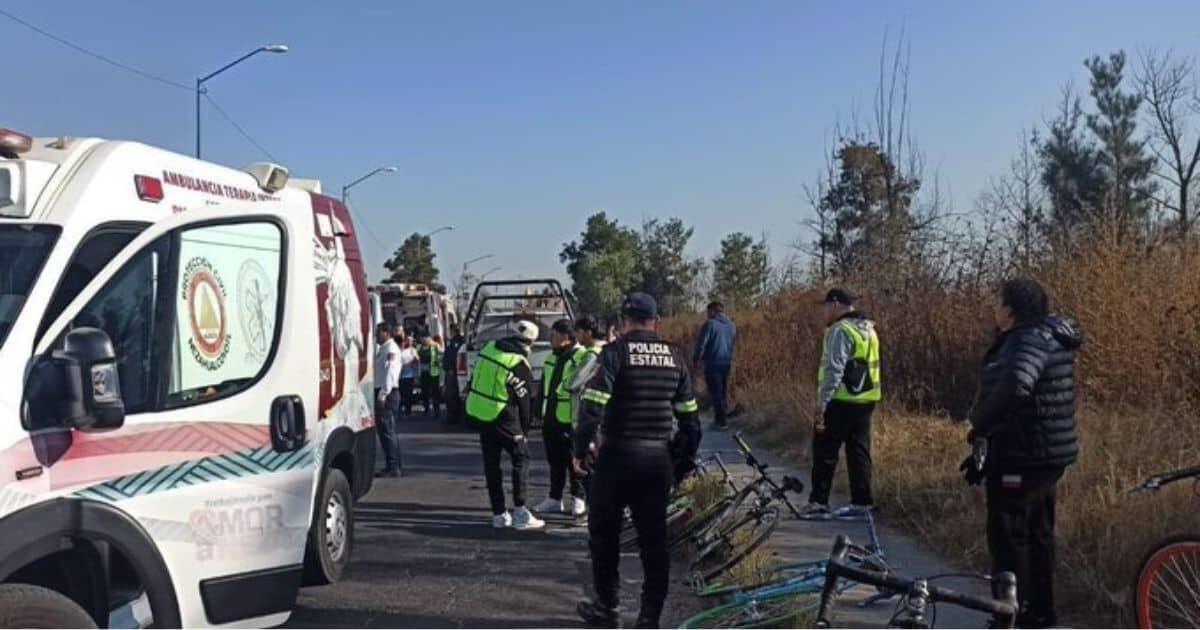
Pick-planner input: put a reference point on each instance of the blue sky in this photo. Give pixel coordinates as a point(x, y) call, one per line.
point(514, 121)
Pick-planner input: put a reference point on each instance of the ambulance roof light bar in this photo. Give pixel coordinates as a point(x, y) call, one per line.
point(13, 143)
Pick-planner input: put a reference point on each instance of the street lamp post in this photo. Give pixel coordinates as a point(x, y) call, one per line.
point(462, 279)
point(381, 169)
point(489, 272)
point(200, 91)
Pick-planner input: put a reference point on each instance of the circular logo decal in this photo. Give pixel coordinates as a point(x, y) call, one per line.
point(256, 309)
point(204, 297)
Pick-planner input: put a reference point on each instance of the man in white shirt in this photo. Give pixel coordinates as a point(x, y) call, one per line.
point(410, 369)
point(387, 400)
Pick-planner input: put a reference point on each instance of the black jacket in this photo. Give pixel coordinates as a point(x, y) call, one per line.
point(1026, 401)
point(641, 387)
point(450, 356)
point(517, 415)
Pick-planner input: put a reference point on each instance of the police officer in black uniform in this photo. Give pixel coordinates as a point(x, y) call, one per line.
point(629, 408)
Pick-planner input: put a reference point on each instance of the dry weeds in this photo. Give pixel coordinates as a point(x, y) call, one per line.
point(1138, 377)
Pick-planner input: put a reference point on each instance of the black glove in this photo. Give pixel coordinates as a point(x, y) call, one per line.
point(971, 475)
point(971, 435)
point(684, 469)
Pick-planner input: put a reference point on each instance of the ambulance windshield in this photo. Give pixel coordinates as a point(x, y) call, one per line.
point(23, 251)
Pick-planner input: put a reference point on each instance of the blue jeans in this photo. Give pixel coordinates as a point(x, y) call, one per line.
point(716, 378)
point(385, 428)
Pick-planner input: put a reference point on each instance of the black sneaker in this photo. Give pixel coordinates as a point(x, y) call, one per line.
point(598, 615)
point(719, 427)
point(387, 474)
point(646, 621)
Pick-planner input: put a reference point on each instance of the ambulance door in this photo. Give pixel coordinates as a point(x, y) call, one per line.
point(213, 458)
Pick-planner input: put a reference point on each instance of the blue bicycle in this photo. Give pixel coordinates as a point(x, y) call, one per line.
point(792, 592)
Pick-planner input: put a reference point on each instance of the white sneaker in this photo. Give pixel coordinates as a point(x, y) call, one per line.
point(815, 511)
point(502, 521)
point(550, 505)
point(524, 519)
point(575, 507)
point(853, 511)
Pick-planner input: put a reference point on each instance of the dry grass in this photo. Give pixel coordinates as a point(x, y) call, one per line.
point(1137, 380)
point(755, 568)
point(705, 490)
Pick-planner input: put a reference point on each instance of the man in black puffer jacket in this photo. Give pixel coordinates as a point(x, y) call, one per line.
point(1026, 412)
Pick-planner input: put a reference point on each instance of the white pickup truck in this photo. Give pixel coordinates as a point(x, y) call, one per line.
point(495, 308)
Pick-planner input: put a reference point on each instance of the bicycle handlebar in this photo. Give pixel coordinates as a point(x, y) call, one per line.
point(1154, 482)
point(737, 437)
point(1003, 609)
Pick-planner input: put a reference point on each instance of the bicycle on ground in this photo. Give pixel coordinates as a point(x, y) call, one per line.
point(1167, 591)
point(919, 597)
point(682, 508)
point(791, 600)
point(738, 524)
point(808, 573)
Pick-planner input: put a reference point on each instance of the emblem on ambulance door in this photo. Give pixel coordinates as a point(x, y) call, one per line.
point(204, 298)
point(256, 310)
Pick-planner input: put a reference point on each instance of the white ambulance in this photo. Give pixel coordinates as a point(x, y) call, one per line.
point(186, 417)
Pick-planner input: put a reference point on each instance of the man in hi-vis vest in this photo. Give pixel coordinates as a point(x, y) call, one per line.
point(558, 420)
point(499, 406)
point(848, 388)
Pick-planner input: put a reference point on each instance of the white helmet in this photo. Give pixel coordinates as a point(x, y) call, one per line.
point(527, 330)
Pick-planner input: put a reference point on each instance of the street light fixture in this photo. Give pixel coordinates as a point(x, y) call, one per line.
point(489, 272)
point(475, 260)
point(381, 169)
point(444, 228)
point(201, 91)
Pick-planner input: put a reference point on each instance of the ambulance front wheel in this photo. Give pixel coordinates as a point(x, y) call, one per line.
point(331, 536)
point(28, 606)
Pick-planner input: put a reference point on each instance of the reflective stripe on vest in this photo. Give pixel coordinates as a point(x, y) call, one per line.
point(489, 382)
point(563, 409)
point(435, 361)
point(865, 349)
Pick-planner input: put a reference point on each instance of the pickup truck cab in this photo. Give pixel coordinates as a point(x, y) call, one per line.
point(186, 418)
point(495, 308)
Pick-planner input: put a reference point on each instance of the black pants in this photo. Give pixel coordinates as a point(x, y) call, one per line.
point(557, 436)
point(452, 398)
point(716, 379)
point(431, 394)
point(406, 395)
point(636, 474)
point(385, 428)
point(1020, 533)
point(493, 442)
point(849, 424)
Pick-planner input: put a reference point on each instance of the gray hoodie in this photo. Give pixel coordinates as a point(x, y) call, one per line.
point(839, 349)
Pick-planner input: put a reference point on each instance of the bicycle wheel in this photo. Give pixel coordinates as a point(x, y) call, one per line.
point(1167, 594)
point(787, 610)
point(733, 545)
point(700, 521)
point(722, 520)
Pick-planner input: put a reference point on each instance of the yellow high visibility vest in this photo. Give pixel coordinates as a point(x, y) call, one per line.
point(489, 382)
point(866, 348)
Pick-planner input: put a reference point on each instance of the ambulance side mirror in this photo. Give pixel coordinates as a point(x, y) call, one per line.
point(77, 387)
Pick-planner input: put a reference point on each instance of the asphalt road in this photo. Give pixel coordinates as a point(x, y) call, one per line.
point(426, 555)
